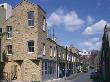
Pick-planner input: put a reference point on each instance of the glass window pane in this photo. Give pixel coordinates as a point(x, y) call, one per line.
point(9, 31)
point(31, 15)
point(9, 49)
point(31, 46)
point(30, 18)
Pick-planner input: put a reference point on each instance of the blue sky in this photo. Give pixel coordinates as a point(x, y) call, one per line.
point(77, 22)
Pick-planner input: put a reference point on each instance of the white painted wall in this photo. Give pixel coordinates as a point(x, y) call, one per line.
point(8, 9)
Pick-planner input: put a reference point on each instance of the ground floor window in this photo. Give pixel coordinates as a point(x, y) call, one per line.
point(48, 67)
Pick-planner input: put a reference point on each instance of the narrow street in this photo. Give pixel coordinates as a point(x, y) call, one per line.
point(83, 78)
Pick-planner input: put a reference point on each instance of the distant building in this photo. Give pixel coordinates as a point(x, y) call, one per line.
point(84, 59)
point(94, 59)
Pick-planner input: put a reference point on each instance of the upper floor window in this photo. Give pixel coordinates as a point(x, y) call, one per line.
point(9, 50)
point(44, 24)
point(50, 51)
point(59, 54)
point(9, 32)
point(55, 52)
point(68, 57)
point(31, 46)
point(63, 55)
point(44, 49)
point(31, 19)
point(72, 59)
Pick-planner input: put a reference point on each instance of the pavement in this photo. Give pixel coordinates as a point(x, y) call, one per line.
point(83, 78)
point(65, 79)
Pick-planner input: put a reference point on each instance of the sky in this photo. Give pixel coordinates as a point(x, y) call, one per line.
point(77, 22)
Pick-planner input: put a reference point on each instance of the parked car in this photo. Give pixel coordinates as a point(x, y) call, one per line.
point(84, 70)
point(94, 75)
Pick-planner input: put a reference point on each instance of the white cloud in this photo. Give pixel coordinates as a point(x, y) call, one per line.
point(55, 18)
point(93, 43)
point(87, 43)
point(96, 28)
point(90, 20)
point(70, 20)
point(95, 39)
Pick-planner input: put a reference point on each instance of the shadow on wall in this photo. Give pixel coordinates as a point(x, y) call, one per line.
point(2, 65)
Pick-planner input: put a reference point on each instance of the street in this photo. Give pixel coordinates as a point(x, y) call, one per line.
point(83, 78)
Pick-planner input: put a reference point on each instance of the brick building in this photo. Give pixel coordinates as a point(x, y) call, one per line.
point(31, 55)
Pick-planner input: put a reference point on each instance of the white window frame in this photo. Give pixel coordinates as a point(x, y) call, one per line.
point(44, 24)
point(63, 55)
point(9, 32)
point(54, 52)
point(30, 19)
point(30, 52)
point(9, 49)
point(44, 50)
point(59, 54)
point(50, 51)
point(72, 59)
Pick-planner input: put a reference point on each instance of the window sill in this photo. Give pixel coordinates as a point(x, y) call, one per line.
point(9, 54)
point(31, 26)
point(30, 52)
point(9, 38)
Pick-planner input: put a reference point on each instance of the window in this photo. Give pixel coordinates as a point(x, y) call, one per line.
point(48, 67)
point(63, 55)
point(59, 55)
point(1, 30)
point(31, 19)
point(54, 52)
point(30, 46)
point(43, 49)
point(9, 50)
point(44, 24)
point(72, 59)
point(9, 32)
point(50, 51)
point(67, 57)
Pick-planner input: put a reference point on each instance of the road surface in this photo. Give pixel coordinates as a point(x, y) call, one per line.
point(83, 78)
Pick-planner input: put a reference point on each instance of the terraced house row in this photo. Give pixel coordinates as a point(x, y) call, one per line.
point(30, 54)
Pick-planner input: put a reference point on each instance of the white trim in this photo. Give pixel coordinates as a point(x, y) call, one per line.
point(31, 26)
point(44, 51)
point(44, 24)
point(63, 55)
point(9, 38)
point(59, 54)
point(51, 52)
point(54, 53)
point(9, 54)
point(30, 52)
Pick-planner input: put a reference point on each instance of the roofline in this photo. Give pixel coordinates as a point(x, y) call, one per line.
point(32, 4)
